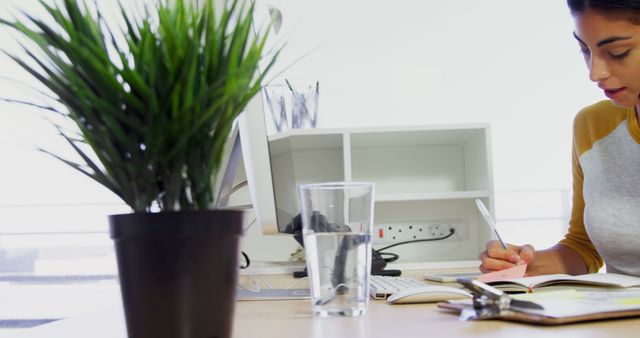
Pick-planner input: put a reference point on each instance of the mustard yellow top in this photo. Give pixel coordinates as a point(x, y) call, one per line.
point(604, 224)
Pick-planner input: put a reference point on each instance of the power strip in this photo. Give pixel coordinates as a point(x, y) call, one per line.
point(389, 233)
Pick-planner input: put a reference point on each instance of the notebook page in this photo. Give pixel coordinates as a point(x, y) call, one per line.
point(609, 279)
point(531, 281)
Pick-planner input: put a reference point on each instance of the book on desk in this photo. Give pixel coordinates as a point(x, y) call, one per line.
point(562, 281)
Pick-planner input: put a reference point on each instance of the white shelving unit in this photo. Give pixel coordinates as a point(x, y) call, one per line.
point(426, 177)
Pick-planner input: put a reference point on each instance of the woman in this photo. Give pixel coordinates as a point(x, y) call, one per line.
point(605, 219)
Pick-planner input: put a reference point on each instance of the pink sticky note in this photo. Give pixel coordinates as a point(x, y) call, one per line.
point(517, 271)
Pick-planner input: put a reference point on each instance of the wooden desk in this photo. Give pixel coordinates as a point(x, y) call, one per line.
point(284, 319)
point(292, 319)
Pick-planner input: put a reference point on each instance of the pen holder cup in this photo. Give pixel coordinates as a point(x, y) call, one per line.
point(292, 107)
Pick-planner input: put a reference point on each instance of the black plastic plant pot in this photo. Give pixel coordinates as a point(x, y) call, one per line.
point(178, 271)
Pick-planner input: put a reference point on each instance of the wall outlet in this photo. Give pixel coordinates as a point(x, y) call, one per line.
point(401, 231)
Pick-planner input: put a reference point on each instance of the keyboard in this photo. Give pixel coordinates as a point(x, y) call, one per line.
point(381, 287)
point(272, 294)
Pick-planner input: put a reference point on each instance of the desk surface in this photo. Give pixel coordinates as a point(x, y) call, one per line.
point(293, 319)
point(283, 319)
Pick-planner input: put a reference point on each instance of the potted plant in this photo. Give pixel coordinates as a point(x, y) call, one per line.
point(152, 102)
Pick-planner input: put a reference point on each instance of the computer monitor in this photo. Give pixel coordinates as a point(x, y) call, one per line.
point(272, 183)
point(257, 164)
point(248, 149)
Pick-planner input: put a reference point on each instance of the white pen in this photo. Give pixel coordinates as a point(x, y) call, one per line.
point(487, 217)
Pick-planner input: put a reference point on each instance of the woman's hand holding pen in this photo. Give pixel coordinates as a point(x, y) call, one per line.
point(495, 257)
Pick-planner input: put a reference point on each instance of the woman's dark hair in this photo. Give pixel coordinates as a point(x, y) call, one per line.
point(630, 9)
point(581, 5)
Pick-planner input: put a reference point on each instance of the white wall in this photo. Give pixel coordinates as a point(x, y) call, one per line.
point(512, 63)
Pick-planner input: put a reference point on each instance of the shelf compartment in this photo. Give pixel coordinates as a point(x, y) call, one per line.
point(301, 159)
point(421, 161)
point(465, 244)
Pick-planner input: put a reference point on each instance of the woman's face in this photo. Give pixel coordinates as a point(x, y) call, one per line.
point(611, 48)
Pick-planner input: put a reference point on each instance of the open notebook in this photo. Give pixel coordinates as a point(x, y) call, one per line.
point(531, 284)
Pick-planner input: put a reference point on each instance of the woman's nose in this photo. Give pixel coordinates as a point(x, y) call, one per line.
point(598, 69)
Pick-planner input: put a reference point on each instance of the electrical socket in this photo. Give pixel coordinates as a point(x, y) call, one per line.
point(401, 231)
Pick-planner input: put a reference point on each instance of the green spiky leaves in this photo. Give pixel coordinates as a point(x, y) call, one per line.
point(154, 100)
